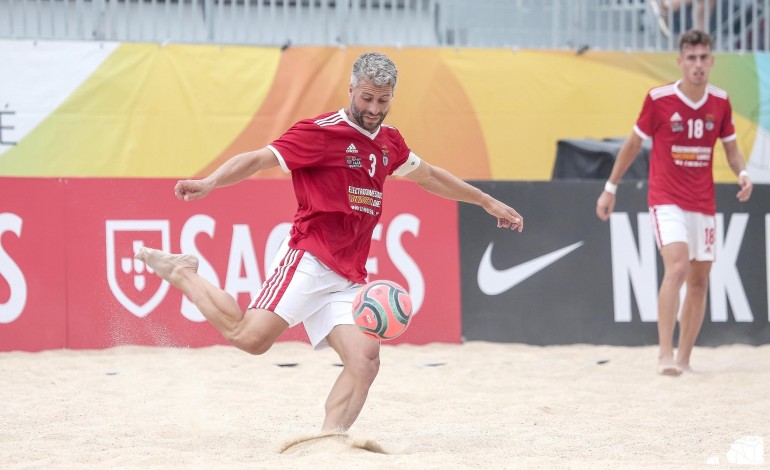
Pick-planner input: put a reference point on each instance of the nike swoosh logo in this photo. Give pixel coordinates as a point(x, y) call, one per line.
point(493, 281)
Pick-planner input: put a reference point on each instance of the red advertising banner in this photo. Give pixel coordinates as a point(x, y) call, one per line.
point(112, 299)
point(33, 308)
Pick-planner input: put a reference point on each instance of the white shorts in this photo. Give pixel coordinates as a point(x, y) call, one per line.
point(672, 224)
point(301, 289)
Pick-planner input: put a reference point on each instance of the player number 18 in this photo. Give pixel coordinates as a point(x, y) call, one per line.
point(694, 128)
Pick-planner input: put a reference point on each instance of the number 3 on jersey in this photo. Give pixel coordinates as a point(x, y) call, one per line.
point(373, 159)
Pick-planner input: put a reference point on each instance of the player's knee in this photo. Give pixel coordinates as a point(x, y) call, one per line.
point(676, 273)
point(364, 367)
point(698, 286)
point(256, 348)
point(252, 343)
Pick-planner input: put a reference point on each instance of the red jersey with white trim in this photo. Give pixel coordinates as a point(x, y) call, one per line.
point(338, 170)
point(684, 133)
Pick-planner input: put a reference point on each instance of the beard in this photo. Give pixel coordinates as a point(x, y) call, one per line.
point(358, 117)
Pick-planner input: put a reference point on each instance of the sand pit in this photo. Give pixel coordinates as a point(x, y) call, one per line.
point(477, 405)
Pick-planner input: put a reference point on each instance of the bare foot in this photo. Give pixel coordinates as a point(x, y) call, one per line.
point(170, 267)
point(668, 367)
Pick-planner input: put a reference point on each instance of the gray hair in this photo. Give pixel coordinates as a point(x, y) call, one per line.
point(376, 67)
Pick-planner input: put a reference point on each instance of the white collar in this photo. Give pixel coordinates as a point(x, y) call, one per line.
point(371, 135)
point(688, 101)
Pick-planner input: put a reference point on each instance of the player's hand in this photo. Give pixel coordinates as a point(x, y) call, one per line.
point(745, 192)
point(187, 190)
point(513, 220)
point(505, 215)
point(605, 205)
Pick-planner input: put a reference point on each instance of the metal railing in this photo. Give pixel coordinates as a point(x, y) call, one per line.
point(738, 25)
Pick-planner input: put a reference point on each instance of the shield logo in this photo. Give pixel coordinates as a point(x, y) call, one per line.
point(131, 281)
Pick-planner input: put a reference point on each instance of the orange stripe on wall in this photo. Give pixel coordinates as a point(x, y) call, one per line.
point(432, 111)
point(437, 118)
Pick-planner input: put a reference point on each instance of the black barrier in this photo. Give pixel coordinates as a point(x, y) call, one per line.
point(571, 278)
point(593, 159)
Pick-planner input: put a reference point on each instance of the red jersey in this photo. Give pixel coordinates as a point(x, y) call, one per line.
point(684, 134)
point(338, 170)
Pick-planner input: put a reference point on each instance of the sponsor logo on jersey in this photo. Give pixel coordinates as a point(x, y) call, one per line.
point(676, 123)
point(385, 155)
point(353, 161)
point(365, 200)
point(691, 156)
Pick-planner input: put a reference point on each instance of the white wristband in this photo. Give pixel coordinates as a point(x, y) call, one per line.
point(610, 188)
point(743, 173)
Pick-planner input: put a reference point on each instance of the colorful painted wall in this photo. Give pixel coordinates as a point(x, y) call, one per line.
point(141, 110)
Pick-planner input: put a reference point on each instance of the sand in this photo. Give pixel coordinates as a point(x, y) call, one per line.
point(476, 405)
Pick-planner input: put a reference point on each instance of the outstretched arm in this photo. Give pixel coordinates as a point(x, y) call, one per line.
point(736, 162)
point(445, 184)
point(230, 172)
point(626, 156)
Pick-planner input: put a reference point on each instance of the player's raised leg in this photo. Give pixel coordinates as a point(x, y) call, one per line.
point(253, 331)
point(693, 311)
point(676, 263)
point(360, 357)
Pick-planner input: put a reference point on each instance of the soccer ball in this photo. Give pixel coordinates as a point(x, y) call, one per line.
point(382, 309)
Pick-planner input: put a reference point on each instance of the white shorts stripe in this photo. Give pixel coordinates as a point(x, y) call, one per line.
point(273, 285)
point(282, 277)
point(301, 289)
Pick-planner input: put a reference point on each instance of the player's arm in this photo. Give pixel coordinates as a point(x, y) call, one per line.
point(737, 164)
point(230, 172)
point(445, 184)
point(626, 156)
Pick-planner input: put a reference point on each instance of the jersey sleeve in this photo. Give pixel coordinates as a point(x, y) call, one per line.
point(411, 164)
point(727, 132)
point(645, 124)
point(303, 145)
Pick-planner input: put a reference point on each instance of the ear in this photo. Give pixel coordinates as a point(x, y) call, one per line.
point(350, 90)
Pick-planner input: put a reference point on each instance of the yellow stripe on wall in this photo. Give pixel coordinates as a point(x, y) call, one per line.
point(527, 100)
point(149, 111)
point(181, 110)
